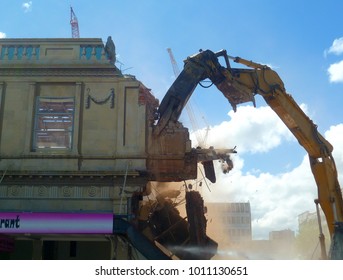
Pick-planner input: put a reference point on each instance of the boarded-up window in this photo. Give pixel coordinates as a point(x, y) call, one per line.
point(54, 118)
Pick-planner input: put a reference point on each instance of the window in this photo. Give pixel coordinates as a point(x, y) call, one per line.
point(54, 118)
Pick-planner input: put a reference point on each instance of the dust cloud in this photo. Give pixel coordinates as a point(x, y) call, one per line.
point(218, 229)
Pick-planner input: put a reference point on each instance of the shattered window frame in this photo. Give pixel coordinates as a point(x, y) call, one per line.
point(53, 123)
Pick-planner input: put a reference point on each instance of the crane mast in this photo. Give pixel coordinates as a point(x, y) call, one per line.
point(176, 69)
point(75, 33)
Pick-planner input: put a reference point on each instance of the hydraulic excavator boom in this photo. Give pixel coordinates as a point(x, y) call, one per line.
point(240, 85)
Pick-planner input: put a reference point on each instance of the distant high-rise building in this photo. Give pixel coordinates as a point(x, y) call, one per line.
point(310, 218)
point(231, 220)
point(309, 233)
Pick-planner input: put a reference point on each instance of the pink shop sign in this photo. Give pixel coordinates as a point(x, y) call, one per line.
point(61, 223)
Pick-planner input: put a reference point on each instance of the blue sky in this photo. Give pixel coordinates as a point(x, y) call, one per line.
point(299, 39)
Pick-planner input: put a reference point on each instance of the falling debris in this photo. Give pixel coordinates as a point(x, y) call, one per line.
point(183, 237)
point(197, 226)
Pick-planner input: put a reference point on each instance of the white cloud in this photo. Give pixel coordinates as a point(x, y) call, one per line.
point(254, 130)
point(337, 46)
point(276, 199)
point(335, 136)
point(335, 72)
point(2, 35)
point(27, 6)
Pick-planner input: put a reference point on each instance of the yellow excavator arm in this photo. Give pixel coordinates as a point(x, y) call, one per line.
point(262, 80)
point(240, 85)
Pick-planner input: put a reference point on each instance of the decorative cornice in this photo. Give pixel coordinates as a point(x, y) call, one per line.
point(36, 179)
point(83, 72)
point(56, 192)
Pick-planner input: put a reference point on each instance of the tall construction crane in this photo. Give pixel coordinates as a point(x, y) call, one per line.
point(74, 24)
point(173, 62)
point(201, 139)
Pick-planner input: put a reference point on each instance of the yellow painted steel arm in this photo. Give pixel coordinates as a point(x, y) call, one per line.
point(264, 81)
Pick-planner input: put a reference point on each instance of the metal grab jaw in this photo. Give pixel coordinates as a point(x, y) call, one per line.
point(226, 81)
point(233, 92)
point(206, 157)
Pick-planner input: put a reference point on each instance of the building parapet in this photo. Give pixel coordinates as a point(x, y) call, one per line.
point(52, 51)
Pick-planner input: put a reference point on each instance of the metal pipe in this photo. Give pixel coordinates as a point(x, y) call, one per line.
point(321, 235)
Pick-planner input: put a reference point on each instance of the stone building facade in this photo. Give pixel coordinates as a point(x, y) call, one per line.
point(75, 139)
